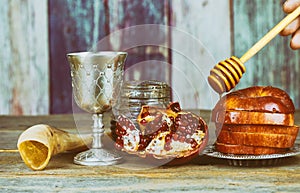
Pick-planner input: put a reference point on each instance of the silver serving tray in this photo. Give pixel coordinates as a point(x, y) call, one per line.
point(252, 160)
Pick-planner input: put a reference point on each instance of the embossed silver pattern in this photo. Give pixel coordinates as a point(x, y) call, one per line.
point(94, 78)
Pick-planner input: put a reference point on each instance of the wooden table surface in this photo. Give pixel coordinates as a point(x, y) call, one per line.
point(203, 174)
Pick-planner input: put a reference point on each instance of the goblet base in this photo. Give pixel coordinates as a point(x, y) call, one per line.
point(97, 157)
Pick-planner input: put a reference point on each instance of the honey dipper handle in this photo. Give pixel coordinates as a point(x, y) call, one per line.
point(270, 35)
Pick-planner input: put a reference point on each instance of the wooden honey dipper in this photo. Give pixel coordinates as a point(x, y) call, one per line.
point(227, 74)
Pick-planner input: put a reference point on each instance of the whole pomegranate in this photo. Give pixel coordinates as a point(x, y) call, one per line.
point(162, 133)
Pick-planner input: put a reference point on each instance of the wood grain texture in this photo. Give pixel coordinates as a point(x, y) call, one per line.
point(24, 57)
point(204, 174)
point(207, 40)
point(276, 64)
point(35, 73)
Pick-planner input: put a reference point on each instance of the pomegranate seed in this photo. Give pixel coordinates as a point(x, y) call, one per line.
point(190, 116)
point(118, 124)
point(195, 120)
point(171, 118)
point(157, 127)
point(118, 131)
point(184, 123)
point(173, 128)
point(167, 147)
point(145, 114)
point(151, 137)
point(143, 122)
point(143, 143)
point(180, 133)
point(164, 127)
point(141, 147)
point(178, 118)
point(193, 142)
point(181, 139)
point(123, 132)
point(188, 130)
point(189, 140)
point(175, 136)
point(121, 119)
point(181, 129)
point(119, 142)
point(119, 138)
point(168, 138)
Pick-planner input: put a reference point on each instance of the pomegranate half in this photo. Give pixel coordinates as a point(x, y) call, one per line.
point(159, 133)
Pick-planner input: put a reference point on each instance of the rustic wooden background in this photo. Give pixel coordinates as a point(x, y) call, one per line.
point(36, 35)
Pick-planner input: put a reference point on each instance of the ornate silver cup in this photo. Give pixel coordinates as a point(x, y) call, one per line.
point(96, 82)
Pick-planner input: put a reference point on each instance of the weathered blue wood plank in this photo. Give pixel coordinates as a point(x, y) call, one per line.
point(207, 40)
point(141, 62)
point(24, 57)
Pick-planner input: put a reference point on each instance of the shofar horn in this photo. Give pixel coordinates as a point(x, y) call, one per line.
point(39, 143)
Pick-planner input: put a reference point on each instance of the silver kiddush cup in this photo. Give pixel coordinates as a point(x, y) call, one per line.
point(96, 81)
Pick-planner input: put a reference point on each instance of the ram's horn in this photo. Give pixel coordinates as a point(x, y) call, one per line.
point(39, 143)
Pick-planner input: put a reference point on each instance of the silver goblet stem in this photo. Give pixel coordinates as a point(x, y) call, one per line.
point(98, 131)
